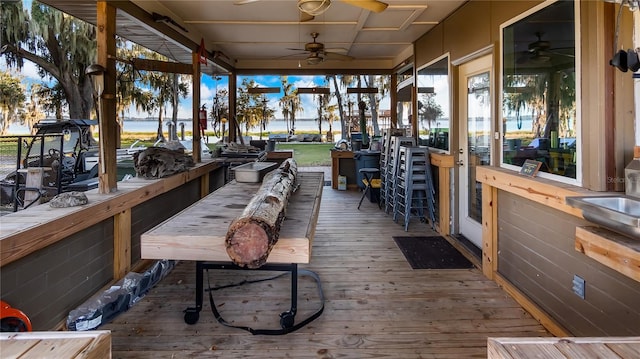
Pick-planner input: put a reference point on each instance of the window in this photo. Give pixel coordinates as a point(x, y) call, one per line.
point(433, 104)
point(539, 111)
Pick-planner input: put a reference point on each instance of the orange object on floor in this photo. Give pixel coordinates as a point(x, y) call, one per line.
point(12, 319)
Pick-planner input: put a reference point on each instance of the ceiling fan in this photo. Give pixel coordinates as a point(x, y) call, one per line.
point(316, 53)
point(311, 8)
point(540, 51)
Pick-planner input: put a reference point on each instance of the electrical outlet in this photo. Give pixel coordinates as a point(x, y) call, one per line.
point(578, 286)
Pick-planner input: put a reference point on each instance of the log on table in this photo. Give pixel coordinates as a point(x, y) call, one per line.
point(159, 162)
point(253, 234)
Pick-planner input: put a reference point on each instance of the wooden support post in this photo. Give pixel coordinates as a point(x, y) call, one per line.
point(121, 244)
point(444, 164)
point(232, 108)
point(106, 43)
point(196, 108)
point(489, 230)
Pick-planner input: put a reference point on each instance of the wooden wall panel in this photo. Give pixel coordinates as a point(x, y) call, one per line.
point(474, 26)
point(430, 46)
point(468, 30)
point(537, 254)
point(503, 11)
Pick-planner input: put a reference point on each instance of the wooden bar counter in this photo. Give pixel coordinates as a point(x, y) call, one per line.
point(198, 233)
point(57, 344)
point(564, 348)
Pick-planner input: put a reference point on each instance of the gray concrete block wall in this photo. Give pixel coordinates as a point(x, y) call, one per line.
point(49, 283)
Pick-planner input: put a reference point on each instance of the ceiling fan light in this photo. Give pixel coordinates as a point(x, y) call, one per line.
point(314, 7)
point(314, 59)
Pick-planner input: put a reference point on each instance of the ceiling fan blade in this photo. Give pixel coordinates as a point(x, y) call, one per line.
point(296, 55)
point(304, 17)
point(337, 56)
point(243, 2)
point(371, 5)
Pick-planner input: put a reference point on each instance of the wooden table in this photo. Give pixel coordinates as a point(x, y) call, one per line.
point(561, 348)
point(198, 233)
point(90, 344)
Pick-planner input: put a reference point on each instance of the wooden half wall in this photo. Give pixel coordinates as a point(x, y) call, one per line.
point(53, 259)
point(530, 246)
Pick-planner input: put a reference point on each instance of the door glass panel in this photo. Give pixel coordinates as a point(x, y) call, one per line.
point(479, 137)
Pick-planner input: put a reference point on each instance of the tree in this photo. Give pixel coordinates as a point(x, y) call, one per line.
point(12, 98)
point(51, 98)
point(383, 83)
point(58, 44)
point(428, 109)
point(249, 106)
point(290, 104)
point(345, 81)
point(33, 113)
point(322, 104)
point(220, 111)
point(331, 116)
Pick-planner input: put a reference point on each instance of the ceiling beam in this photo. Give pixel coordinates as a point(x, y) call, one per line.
point(162, 66)
point(362, 90)
point(263, 90)
point(314, 90)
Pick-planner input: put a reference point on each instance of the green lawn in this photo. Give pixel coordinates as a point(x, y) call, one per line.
point(306, 154)
point(309, 154)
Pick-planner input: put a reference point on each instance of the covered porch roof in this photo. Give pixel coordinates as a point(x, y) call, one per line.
point(267, 35)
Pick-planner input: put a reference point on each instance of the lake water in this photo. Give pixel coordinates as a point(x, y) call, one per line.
point(150, 126)
point(303, 126)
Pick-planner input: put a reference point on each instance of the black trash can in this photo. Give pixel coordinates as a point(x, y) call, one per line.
point(367, 159)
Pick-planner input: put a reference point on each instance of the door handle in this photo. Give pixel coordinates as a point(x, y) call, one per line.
point(459, 163)
point(461, 151)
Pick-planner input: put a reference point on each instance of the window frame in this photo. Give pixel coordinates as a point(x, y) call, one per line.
point(450, 98)
point(578, 102)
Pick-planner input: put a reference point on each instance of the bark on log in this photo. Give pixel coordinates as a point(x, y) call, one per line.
point(159, 162)
point(253, 234)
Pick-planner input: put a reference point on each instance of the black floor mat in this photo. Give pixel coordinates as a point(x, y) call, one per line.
point(431, 253)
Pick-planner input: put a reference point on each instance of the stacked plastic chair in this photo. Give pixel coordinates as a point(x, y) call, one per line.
point(413, 191)
point(391, 169)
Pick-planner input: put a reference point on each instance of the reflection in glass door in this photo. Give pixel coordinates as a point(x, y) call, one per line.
point(475, 143)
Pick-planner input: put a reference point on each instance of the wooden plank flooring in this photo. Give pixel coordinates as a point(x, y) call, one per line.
point(376, 305)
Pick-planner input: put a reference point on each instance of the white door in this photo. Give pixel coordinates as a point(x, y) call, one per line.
point(475, 143)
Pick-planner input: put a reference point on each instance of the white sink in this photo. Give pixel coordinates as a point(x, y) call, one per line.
point(617, 212)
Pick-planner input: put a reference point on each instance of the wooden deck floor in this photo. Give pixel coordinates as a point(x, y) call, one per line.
point(376, 305)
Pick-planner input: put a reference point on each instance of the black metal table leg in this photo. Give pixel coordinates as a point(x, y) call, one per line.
point(192, 314)
point(287, 319)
